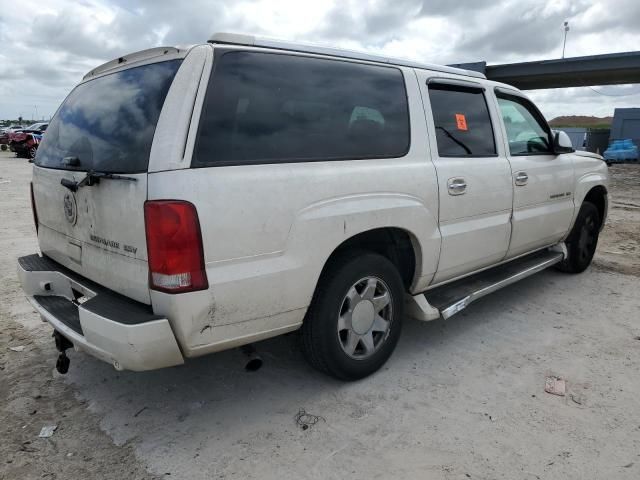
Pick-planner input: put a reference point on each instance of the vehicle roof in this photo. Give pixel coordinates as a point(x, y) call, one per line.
point(240, 40)
point(223, 38)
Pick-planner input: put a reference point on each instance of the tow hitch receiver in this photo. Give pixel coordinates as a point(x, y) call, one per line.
point(62, 343)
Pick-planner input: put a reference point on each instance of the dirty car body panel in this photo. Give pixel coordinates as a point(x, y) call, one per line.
point(152, 129)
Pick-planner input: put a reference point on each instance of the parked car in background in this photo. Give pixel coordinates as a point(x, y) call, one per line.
point(4, 138)
point(5, 132)
point(25, 142)
point(621, 151)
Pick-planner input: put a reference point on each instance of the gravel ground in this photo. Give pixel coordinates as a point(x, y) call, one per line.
point(459, 399)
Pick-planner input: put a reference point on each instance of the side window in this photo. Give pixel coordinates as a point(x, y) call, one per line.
point(270, 108)
point(462, 121)
point(527, 132)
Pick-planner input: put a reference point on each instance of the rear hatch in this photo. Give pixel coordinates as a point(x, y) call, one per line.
point(98, 145)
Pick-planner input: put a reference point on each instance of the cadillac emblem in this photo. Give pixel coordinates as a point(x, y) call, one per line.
point(70, 208)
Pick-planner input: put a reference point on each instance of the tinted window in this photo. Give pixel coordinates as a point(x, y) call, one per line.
point(527, 131)
point(109, 122)
point(462, 121)
point(281, 108)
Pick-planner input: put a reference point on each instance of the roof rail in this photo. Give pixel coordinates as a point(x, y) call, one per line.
point(134, 57)
point(254, 41)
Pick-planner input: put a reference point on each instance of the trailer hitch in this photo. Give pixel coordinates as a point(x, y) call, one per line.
point(62, 344)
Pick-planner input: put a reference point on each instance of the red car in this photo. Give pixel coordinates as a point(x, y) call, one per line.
point(4, 135)
point(25, 142)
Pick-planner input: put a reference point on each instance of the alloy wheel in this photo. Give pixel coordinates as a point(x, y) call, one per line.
point(365, 317)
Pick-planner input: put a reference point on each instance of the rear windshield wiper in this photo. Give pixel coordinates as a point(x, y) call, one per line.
point(93, 178)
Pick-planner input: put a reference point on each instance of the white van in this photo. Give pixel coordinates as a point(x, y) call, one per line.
point(193, 200)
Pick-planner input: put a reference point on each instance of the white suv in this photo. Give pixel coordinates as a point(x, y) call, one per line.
point(193, 200)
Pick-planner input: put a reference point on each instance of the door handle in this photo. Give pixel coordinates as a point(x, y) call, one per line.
point(456, 186)
point(521, 178)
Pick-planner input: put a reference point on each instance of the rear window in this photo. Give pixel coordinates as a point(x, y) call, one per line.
point(108, 123)
point(270, 108)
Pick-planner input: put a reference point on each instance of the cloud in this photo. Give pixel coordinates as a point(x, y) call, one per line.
point(48, 46)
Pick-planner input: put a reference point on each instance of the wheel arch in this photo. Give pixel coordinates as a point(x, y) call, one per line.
point(598, 196)
point(592, 187)
point(398, 245)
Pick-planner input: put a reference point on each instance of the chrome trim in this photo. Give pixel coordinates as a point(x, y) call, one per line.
point(464, 302)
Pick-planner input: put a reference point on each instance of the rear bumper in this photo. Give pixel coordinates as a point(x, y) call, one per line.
point(107, 325)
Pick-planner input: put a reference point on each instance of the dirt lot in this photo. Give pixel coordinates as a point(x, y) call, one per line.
point(459, 399)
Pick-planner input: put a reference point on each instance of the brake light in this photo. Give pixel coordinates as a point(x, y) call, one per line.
point(33, 207)
point(174, 246)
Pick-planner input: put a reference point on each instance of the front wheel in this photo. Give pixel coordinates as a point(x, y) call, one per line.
point(355, 318)
point(583, 239)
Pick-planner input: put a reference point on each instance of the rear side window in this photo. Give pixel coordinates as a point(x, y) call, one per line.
point(462, 121)
point(270, 108)
point(108, 123)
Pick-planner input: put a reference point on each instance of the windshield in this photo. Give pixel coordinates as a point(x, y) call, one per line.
point(108, 123)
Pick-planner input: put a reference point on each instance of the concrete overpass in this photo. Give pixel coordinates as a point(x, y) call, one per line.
point(609, 69)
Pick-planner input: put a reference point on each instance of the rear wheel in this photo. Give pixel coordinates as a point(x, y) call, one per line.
point(583, 239)
point(354, 321)
point(32, 153)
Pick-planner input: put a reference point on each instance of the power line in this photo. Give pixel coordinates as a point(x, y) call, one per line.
point(612, 94)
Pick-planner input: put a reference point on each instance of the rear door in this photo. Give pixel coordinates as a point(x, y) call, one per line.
point(474, 178)
point(105, 125)
point(543, 181)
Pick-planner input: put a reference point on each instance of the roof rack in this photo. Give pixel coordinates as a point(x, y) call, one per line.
point(254, 41)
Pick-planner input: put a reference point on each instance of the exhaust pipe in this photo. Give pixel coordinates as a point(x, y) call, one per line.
point(62, 344)
point(254, 361)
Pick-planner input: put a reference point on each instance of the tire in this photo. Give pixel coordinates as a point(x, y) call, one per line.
point(583, 240)
point(32, 153)
point(3, 147)
point(355, 317)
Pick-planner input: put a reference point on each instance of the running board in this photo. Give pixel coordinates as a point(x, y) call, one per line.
point(453, 297)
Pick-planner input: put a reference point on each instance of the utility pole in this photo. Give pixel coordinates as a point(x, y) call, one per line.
point(564, 43)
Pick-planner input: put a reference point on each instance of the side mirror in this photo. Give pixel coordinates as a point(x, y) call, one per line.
point(562, 143)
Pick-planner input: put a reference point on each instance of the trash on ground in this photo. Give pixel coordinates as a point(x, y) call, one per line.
point(555, 386)
point(19, 348)
point(305, 420)
point(578, 398)
point(47, 431)
point(139, 411)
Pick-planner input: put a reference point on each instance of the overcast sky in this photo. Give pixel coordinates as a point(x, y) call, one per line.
point(47, 46)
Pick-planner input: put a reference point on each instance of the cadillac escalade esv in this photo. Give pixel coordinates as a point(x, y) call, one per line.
point(193, 200)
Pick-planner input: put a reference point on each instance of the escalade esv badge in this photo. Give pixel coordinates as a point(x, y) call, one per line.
point(70, 208)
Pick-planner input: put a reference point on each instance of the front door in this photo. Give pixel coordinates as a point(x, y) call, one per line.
point(543, 181)
point(474, 178)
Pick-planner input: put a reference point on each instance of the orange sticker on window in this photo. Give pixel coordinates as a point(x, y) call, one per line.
point(461, 122)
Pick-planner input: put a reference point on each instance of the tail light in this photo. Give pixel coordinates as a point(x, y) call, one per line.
point(174, 246)
point(33, 206)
